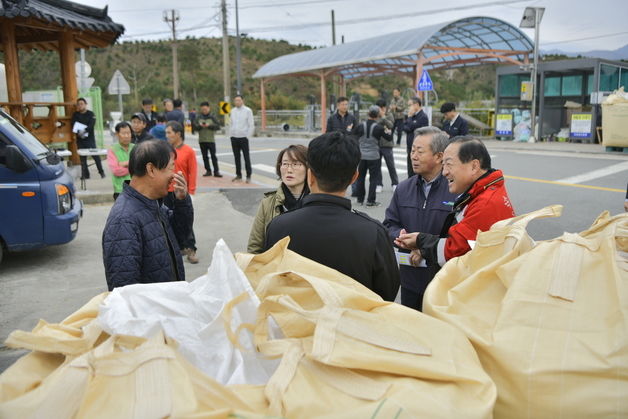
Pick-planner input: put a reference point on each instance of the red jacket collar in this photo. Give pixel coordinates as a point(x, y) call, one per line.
point(490, 178)
point(496, 177)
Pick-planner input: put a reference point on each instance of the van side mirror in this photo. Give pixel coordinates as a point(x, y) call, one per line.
point(15, 160)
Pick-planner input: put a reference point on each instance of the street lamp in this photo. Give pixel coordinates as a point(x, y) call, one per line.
point(532, 19)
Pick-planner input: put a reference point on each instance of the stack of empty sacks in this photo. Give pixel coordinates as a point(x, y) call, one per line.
point(549, 320)
point(272, 334)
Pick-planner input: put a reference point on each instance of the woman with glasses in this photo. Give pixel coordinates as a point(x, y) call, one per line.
point(291, 168)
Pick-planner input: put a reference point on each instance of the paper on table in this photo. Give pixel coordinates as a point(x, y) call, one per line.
point(78, 127)
point(404, 259)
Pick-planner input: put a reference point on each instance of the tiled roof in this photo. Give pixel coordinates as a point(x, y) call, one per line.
point(61, 12)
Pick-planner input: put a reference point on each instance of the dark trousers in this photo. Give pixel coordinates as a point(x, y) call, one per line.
point(185, 239)
point(389, 158)
point(409, 141)
point(374, 168)
point(211, 147)
point(412, 299)
point(85, 168)
point(116, 195)
point(398, 130)
point(241, 144)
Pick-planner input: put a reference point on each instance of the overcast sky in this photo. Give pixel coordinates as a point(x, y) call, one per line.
point(569, 25)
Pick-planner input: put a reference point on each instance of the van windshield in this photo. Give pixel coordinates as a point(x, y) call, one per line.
point(18, 131)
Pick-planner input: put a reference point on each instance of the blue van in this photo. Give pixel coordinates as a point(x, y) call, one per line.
point(38, 205)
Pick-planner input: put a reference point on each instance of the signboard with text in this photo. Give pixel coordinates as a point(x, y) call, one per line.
point(503, 124)
point(580, 126)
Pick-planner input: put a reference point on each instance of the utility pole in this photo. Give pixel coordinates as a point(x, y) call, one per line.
point(171, 17)
point(532, 19)
point(226, 79)
point(333, 27)
point(238, 71)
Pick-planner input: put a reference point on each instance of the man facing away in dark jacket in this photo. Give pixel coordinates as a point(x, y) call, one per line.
point(327, 231)
point(139, 243)
point(420, 203)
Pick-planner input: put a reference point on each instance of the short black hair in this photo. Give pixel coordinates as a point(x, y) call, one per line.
point(204, 103)
point(333, 158)
point(177, 127)
point(240, 96)
point(472, 148)
point(342, 99)
point(161, 117)
point(177, 103)
point(416, 100)
point(381, 103)
point(81, 99)
point(121, 125)
point(447, 107)
point(157, 152)
point(147, 101)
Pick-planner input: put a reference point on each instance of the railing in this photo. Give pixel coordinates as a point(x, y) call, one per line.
point(481, 120)
point(51, 128)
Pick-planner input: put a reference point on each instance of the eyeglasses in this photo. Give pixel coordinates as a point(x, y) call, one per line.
point(295, 165)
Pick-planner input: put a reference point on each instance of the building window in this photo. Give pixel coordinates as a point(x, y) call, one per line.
point(590, 84)
point(552, 86)
point(623, 79)
point(572, 86)
point(609, 77)
point(509, 85)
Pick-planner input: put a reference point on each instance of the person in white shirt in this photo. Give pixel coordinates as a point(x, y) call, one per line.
point(240, 129)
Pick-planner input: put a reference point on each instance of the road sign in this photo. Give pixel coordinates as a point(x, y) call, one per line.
point(225, 108)
point(118, 85)
point(425, 82)
point(83, 71)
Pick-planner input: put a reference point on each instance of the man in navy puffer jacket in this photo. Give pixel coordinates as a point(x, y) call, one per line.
point(139, 244)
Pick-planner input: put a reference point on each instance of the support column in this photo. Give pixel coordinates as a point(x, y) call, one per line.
point(343, 86)
point(68, 79)
point(12, 68)
point(323, 102)
point(263, 100)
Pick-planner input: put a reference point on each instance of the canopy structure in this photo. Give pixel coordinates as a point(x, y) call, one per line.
point(463, 42)
point(50, 25)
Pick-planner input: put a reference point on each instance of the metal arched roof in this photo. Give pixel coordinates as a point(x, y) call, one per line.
point(468, 41)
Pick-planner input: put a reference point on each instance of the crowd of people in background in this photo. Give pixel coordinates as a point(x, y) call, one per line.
point(450, 193)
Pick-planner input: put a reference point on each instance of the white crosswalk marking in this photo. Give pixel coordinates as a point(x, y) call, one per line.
point(264, 168)
point(400, 163)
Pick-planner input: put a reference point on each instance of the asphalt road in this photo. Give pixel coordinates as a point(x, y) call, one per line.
point(52, 283)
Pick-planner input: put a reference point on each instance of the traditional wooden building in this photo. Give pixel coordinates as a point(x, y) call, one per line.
point(50, 25)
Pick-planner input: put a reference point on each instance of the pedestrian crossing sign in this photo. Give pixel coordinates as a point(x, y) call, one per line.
point(425, 82)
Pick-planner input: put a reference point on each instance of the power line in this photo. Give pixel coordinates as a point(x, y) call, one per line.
point(587, 38)
point(382, 18)
point(246, 6)
point(203, 25)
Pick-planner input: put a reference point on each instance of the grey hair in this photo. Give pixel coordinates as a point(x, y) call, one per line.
point(440, 139)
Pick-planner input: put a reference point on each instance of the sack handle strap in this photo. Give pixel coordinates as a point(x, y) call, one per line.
point(551, 211)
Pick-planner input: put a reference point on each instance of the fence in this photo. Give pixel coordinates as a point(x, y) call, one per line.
point(481, 120)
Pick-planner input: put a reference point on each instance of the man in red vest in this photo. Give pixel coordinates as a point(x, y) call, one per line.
point(185, 163)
